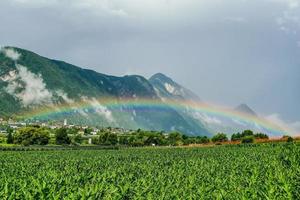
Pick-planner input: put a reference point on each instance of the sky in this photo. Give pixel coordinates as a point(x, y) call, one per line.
point(227, 52)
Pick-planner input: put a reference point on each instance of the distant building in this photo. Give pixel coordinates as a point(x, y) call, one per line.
point(94, 133)
point(65, 122)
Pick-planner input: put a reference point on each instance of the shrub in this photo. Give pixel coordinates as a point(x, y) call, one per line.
point(290, 139)
point(61, 136)
point(247, 139)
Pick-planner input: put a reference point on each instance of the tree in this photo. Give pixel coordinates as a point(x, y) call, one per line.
point(220, 137)
point(290, 139)
point(247, 133)
point(124, 140)
point(9, 138)
point(41, 137)
point(61, 136)
point(107, 138)
point(88, 131)
point(72, 131)
point(31, 135)
point(103, 138)
point(78, 139)
point(175, 138)
point(236, 137)
point(112, 139)
point(202, 140)
point(261, 136)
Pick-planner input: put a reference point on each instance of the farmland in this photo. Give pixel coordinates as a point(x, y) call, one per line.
point(261, 171)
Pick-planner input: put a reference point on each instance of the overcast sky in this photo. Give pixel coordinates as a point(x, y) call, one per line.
point(228, 52)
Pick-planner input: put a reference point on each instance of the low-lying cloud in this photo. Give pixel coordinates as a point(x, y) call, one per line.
point(28, 87)
point(206, 118)
point(64, 96)
point(293, 127)
point(11, 53)
point(99, 109)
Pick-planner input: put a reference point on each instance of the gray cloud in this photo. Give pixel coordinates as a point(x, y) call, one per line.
point(228, 52)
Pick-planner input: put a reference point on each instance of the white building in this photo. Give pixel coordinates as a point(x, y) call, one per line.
point(65, 122)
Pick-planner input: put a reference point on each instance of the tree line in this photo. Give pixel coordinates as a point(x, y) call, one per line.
point(35, 135)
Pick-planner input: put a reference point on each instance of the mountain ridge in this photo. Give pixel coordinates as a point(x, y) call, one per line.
point(28, 81)
point(165, 87)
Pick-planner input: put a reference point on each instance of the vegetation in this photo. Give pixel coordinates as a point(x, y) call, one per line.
point(36, 135)
point(220, 137)
point(290, 139)
point(31, 136)
point(247, 139)
point(248, 136)
point(10, 139)
point(238, 172)
point(61, 136)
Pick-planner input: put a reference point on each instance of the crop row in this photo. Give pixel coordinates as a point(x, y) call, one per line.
point(260, 172)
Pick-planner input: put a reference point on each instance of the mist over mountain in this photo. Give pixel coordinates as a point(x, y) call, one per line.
point(29, 83)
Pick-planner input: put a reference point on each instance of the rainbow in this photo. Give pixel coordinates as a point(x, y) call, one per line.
point(147, 104)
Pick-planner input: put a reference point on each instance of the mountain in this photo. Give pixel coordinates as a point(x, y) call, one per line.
point(30, 83)
point(166, 88)
point(38, 88)
point(244, 108)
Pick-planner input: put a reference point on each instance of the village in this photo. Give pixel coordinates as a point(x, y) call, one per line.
point(53, 125)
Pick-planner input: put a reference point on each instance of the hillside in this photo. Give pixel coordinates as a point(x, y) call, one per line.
point(31, 82)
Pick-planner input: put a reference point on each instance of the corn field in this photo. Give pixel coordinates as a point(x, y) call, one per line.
point(237, 172)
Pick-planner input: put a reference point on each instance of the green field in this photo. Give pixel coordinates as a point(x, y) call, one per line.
point(235, 172)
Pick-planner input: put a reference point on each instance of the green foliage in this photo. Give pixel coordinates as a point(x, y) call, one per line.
point(290, 139)
point(78, 139)
point(3, 139)
point(247, 139)
point(88, 131)
point(9, 139)
point(31, 136)
point(175, 138)
point(236, 137)
point(261, 136)
point(61, 136)
point(220, 137)
point(72, 131)
point(246, 133)
point(195, 140)
point(238, 172)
